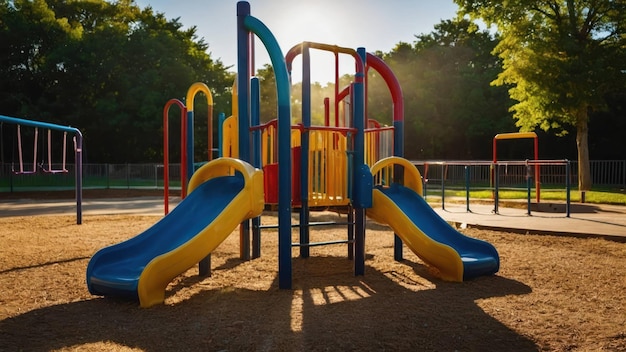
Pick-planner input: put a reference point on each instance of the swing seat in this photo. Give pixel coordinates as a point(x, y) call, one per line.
point(53, 171)
point(50, 170)
point(24, 172)
point(19, 145)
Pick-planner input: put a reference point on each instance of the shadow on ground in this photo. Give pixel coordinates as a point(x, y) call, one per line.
point(335, 311)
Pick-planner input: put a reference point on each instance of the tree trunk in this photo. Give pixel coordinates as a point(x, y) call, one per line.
point(584, 170)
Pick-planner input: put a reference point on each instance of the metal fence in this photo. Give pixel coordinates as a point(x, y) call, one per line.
point(604, 173)
point(95, 176)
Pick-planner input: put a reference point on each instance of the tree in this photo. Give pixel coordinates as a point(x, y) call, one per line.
point(107, 68)
point(269, 102)
point(269, 99)
point(561, 58)
point(451, 111)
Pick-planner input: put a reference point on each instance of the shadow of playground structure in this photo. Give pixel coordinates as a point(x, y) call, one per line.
point(335, 311)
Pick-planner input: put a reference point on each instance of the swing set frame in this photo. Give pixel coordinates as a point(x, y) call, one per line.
point(49, 169)
point(78, 153)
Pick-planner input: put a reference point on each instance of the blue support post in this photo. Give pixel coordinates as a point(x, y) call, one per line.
point(220, 134)
point(359, 160)
point(304, 150)
point(397, 248)
point(243, 81)
point(255, 120)
point(398, 150)
point(248, 23)
point(243, 118)
point(351, 233)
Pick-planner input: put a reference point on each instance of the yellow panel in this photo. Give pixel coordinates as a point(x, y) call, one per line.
point(230, 142)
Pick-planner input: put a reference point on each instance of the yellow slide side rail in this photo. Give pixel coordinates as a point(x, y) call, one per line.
point(253, 178)
point(383, 172)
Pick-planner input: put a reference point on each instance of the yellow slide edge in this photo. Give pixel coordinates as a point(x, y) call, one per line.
point(247, 204)
point(443, 258)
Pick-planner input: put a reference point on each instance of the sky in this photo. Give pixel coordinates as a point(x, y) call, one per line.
point(372, 24)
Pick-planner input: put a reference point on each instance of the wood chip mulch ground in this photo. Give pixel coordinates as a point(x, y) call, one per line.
point(552, 293)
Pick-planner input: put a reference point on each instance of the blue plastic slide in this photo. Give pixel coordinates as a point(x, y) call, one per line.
point(142, 267)
point(456, 256)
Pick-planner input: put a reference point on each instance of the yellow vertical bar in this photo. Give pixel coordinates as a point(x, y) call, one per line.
point(323, 166)
point(344, 167)
point(314, 167)
point(330, 165)
point(311, 168)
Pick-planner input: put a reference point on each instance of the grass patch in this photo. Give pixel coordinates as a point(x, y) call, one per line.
point(617, 197)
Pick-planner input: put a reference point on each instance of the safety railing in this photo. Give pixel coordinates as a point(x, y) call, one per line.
point(329, 166)
point(496, 177)
point(329, 159)
point(378, 144)
point(328, 170)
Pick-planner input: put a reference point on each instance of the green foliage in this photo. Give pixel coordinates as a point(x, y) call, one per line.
point(107, 68)
point(269, 98)
point(318, 94)
point(561, 59)
point(451, 111)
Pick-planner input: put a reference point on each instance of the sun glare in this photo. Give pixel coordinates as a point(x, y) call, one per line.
point(315, 22)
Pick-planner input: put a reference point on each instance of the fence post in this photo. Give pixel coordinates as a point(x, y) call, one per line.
point(443, 190)
point(496, 182)
point(467, 188)
point(567, 187)
point(528, 183)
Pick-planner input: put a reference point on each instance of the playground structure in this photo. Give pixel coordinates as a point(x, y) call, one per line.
point(518, 135)
point(47, 167)
point(186, 137)
point(350, 164)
